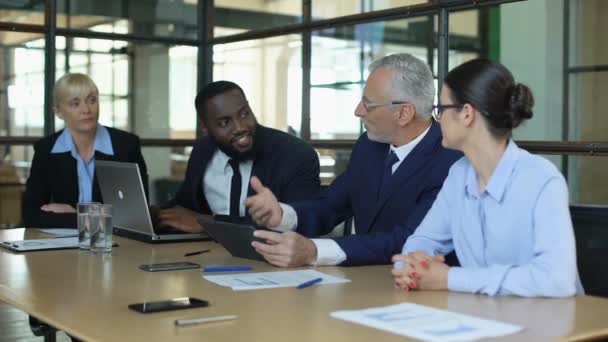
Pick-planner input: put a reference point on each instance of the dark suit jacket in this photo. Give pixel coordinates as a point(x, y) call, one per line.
point(382, 224)
point(285, 164)
point(53, 178)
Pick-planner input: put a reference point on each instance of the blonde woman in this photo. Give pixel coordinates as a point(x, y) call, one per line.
point(63, 167)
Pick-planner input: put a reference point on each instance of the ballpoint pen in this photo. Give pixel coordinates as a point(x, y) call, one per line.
point(197, 252)
point(182, 322)
point(309, 283)
point(227, 269)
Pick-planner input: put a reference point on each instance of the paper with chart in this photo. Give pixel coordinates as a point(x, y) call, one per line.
point(267, 280)
point(427, 323)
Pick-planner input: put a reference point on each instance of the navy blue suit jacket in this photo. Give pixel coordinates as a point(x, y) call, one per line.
point(288, 166)
point(53, 178)
point(382, 224)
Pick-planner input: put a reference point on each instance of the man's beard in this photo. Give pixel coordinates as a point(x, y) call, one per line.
point(250, 154)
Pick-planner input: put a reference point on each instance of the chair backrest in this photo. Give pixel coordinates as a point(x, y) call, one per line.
point(166, 189)
point(591, 231)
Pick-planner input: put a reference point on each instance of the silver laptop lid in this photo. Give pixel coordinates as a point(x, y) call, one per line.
point(121, 186)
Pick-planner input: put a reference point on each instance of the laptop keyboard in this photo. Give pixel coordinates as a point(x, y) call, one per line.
point(158, 230)
point(167, 231)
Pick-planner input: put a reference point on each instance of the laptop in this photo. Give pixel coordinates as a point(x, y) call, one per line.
point(121, 186)
point(235, 237)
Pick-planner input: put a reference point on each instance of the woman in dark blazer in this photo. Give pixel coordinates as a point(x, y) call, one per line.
point(63, 168)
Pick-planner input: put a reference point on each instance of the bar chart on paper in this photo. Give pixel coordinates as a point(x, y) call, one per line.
point(427, 323)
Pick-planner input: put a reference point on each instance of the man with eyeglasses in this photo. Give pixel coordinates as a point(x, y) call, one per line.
point(395, 172)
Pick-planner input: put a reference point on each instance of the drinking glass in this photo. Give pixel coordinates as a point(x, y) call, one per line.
point(101, 228)
point(83, 210)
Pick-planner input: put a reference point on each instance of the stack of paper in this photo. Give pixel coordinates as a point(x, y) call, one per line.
point(65, 232)
point(41, 244)
point(427, 323)
point(267, 280)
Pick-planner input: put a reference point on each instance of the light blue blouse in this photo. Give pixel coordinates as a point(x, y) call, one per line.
point(86, 171)
point(514, 238)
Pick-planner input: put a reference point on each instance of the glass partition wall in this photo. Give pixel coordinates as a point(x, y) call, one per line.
point(302, 64)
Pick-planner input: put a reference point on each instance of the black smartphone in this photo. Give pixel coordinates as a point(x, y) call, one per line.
point(168, 305)
point(170, 266)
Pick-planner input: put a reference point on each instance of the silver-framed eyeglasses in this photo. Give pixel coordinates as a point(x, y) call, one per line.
point(369, 105)
point(439, 108)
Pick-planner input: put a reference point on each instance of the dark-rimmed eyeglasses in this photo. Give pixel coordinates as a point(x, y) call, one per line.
point(438, 110)
point(369, 105)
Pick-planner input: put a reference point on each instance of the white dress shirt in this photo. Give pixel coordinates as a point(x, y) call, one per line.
point(328, 251)
point(217, 182)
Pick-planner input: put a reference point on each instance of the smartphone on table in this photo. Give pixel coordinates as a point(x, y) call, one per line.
point(170, 266)
point(168, 305)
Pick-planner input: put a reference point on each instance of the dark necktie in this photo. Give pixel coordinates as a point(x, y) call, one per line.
point(390, 160)
point(235, 188)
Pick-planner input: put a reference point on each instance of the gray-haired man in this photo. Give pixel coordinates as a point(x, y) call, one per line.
point(394, 174)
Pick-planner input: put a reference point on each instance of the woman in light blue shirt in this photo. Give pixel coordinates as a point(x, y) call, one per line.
point(502, 210)
point(63, 167)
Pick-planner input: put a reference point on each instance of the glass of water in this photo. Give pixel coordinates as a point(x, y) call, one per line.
point(84, 223)
point(101, 228)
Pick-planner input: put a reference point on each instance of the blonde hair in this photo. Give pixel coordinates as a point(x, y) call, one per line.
point(73, 84)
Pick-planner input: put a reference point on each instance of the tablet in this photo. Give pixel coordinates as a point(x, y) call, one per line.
point(235, 237)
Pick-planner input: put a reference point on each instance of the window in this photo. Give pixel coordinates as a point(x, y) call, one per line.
point(340, 60)
point(269, 71)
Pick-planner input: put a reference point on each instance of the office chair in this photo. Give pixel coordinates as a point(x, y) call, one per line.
point(591, 232)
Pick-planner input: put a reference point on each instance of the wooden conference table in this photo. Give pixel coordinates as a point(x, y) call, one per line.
point(87, 296)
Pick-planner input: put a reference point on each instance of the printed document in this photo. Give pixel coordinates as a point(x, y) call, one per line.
point(426, 323)
point(268, 280)
point(40, 244)
point(65, 232)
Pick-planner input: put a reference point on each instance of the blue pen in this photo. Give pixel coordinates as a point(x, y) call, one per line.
point(309, 283)
point(227, 269)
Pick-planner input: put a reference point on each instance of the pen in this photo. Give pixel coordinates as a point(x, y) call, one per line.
point(309, 283)
point(182, 322)
point(226, 269)
point(197, 252)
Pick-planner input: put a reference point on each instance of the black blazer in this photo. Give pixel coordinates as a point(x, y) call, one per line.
point(285, 164)
point(53, 178)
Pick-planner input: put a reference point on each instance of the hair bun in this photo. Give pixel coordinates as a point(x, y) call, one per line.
point(519, 104)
